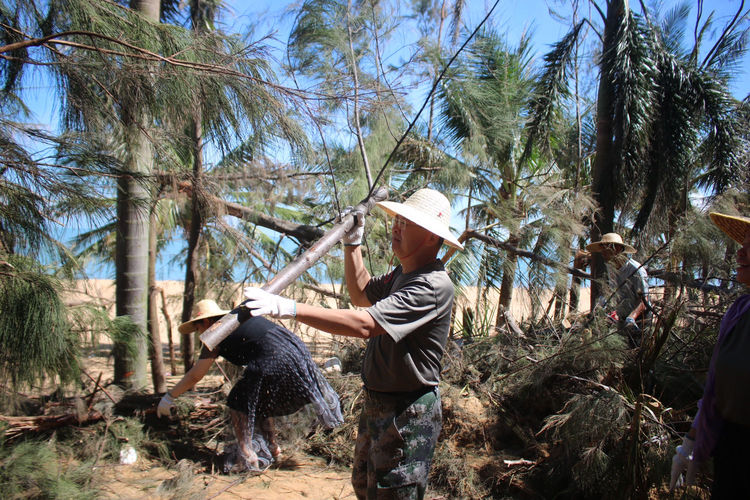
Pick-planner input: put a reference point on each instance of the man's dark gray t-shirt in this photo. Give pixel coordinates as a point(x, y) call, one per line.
point(415, 311)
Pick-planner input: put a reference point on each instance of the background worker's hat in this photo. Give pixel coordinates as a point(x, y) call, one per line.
point(610, 239)
point(206, 308)
point(426, 208)
point(735, 226)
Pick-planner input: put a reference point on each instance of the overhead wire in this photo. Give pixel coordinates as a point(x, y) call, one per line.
point(429, 97)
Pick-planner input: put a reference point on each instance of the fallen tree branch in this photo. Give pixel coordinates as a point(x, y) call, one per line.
point(684, 280)
point(510, 322)
point(305, 233)
point(520, 461)
point(21, 425)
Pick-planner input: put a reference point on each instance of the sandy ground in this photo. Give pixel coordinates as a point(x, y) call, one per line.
point(296, 477)
point(309, 478)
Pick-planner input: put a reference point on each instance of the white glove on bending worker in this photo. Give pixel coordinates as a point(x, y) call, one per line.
point(682, 462)
point(354, 237)
point(262, 303)
point(164, 409)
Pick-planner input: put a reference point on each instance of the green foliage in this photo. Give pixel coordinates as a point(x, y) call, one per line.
point(35, 336)
point(125, 431)
point(476, 322)
point(590, 427)
point(34, 469)
point(125, 335)
point(452, 474)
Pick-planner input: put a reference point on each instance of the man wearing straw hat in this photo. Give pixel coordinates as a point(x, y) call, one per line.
point(627, 277)
point(407, 322)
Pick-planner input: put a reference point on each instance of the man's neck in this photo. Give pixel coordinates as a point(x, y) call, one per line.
point(417, 262)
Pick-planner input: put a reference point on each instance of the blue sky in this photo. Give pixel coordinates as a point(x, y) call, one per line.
point(516, 18)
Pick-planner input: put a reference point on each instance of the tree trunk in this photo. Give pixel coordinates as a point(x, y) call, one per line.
point(150, 9)
point(187, 342)
point(506, 286)
point(168, 322)
point(131, 256)
point(131, 248)
point(561, 286)
point(198, 16)
point(575, 287)
point(605, 162)
point(157, 359)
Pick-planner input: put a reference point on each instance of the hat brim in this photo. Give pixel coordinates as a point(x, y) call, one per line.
point(597, 246)
point(189, 326)
point(419, 218)
point(734, 226)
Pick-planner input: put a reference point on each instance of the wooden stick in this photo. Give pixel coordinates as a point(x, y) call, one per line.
point(100, 387)
point(229, 322)
point(96, 389)
point(168, 321)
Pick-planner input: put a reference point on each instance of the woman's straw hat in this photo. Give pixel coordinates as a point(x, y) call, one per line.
point(206, 308)
point(735, 226)
point(610, 239)
point(427, 208)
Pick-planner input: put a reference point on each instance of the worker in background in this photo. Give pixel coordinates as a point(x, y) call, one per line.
point(626, 277)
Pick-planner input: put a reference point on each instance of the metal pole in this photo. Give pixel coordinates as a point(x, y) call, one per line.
point(229, 322)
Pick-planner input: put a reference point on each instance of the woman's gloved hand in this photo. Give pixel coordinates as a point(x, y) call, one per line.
point(164, 409)
point(681, 460)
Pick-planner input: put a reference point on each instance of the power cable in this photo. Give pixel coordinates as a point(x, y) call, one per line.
point(429, 96)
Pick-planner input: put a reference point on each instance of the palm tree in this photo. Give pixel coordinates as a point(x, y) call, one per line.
point(484, 113)
point(647, 130)
point(133, 222)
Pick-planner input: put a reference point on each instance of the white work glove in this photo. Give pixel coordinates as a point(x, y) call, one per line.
point(682, 461)
point(165, 406)
point(355, 234)
point(631, 324)
point(262, 303)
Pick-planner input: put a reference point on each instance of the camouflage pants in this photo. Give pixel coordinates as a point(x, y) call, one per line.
point(396, 438)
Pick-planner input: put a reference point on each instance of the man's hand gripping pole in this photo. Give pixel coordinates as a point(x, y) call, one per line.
point(229, 322)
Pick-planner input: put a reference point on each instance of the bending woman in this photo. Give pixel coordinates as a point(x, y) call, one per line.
point(280, 378)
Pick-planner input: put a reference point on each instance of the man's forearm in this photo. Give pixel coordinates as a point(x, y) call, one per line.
point(638, 310)
point(346, 322)
point(356, 276)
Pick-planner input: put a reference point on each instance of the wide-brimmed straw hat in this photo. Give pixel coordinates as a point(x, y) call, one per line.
point(610, 239)
point(735, 226)
point(429, 209)
point(206, 308)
